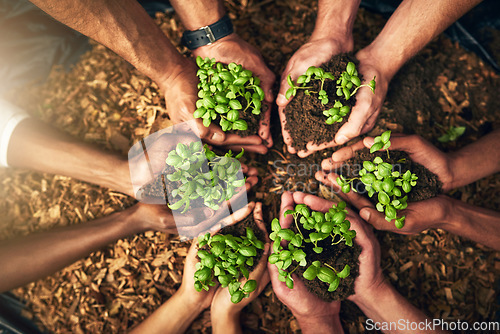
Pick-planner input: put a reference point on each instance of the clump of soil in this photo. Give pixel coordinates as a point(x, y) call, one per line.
point(336, 256)
point(252, 120)
point(304, 114)
point(428, 184)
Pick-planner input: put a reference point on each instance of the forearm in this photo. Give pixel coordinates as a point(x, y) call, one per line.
point(225, 322)
point(312, 325)
point(33, 257)
point(174, 316)
point(124, 27)
point(475, 161)
point(37, 146)
point(475, 223)
point(335, 20)
point(197, 14)
point(385, 305)
point(414, 24)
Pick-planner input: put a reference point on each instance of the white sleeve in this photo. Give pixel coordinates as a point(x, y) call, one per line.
point(10, 117)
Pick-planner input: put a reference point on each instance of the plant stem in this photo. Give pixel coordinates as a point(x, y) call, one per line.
point(329, 266)
point(297, 225)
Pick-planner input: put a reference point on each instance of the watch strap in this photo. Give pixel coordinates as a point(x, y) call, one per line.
point(208, 34)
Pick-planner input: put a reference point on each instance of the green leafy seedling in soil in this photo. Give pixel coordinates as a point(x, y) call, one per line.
point(226, 259)
point(347, 85)
point(312, 227)
point(379, 178)
point(229, 91)
point(214, 183)
point(452, 134)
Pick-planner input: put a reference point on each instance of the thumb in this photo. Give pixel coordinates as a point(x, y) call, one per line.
point(213, 134)
point(374, 218)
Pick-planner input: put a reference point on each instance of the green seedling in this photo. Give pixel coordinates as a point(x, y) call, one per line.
point(215, 182)
point(227, 91)
point(225, 259)
point(379, 179)
point(312, 227)
point(347, 85)
point(452, 134)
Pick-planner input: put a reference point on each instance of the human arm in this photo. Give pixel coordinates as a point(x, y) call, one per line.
point(180, 310)
point(414, 24)
point(231, 48)
point(313, 314)
point(378, 300)
point(332, 35)
point(225, 315)
point(35, 256)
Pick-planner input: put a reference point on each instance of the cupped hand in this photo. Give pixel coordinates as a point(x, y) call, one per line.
point(234, 49)
point(313, 53)
point(221, 303)
point(420, 216)
point(303, 304)
point(370, 273)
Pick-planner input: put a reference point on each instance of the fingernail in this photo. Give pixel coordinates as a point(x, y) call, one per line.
point(217, 136)
point(281, 99)
point(365, 214)
point(341, 139)
point(208, 213)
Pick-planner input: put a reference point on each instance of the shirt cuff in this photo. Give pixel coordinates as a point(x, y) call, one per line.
point(8, 129)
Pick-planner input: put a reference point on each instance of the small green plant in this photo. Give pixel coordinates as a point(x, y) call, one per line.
point(312, 227)
point(215, 181)
point(452, 134)
point(347, 85)
point(226, 258)
point(379, 178)
point(227, 91)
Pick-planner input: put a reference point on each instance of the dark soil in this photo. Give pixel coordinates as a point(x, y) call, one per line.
point(304, 114)
point(336, 256)
point(240, 230)
point(252, 120)
point(428, 184)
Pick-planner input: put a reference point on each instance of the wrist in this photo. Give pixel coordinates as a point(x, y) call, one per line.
point(385, 65)
point(224, 318)
point(320, 324)
point(371, 295)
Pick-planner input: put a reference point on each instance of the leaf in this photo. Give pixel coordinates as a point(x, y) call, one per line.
point(386, 136)
point(289, 80)
point(249, 286)
point(289, 282)
point(239, 155)
point(345, 272)
point(289, 93)
point(400, 222)
point(350, 68)
point(235, 104)
point(318, 250)
point(233, 115)
point(355, 80)
point(240, 125)
point(310, 273)
point(326, 275)
point(383, 198)
point(286, 234)
point(375, 147)
point(334, 285)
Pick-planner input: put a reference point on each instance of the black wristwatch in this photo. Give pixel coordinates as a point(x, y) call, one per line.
point(208, 34)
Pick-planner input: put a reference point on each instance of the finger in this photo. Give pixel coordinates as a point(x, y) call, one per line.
point(259, 220)
point(234, 139)
point(375, 218)
point(329, 165)
point(360, 114)
point(252, 171)
point(311, 148)
point(287, 203)
point(238, 215)
point(287, 139)
point(193, 217)
point(250, 182)
point(212, 135)
point(317, 203)
point(264, 126)
point(261, 266)
point(401, 142)
point(260, 149)
point(347, 152)
point(351, 197)
point(267, 79)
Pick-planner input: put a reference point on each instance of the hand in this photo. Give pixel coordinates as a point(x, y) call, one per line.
point(370, 273)
point(233, 49)
point(432, 213)
point(313, 53)
point(307, 308)
point(221, 303)
point(368, 104)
